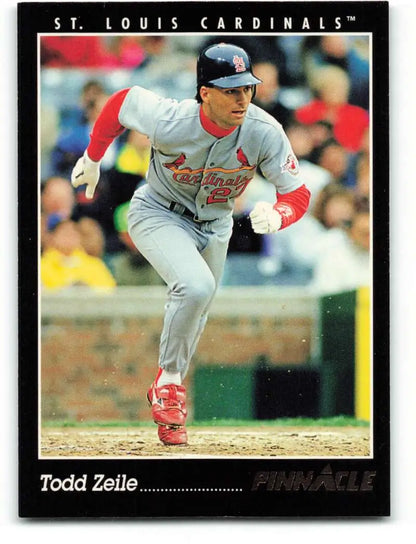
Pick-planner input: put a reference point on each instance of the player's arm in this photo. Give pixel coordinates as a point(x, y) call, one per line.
point(106, 128)
point(280, 166)
point(288, 208)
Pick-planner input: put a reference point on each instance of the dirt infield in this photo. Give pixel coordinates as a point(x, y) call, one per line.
point(207, 442)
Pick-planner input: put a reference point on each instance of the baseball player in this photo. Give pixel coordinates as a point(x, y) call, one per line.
point(205, 151)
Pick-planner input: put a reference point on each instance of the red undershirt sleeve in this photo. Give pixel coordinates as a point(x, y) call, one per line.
point(107, 126)
point(292, 206)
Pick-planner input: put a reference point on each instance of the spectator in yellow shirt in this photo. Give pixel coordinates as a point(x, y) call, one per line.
point(64, 262)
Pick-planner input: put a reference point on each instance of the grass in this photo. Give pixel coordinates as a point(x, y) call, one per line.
point(337, 421)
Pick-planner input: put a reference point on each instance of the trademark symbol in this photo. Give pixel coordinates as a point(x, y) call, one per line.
point(350, 18)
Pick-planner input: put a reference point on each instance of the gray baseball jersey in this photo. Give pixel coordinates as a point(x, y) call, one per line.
point(192, 167)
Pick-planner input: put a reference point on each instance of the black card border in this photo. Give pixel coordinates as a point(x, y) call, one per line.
point(36, 17)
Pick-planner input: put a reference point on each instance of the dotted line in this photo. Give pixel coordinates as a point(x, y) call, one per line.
point(191, 490)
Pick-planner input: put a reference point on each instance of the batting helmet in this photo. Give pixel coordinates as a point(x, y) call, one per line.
point(226, 66)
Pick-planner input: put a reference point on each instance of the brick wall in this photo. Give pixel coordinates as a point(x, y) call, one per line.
point(99, 368)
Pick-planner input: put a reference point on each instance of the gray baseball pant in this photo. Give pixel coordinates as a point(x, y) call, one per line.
point(190, 257)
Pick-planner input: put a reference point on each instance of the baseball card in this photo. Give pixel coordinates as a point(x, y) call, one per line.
point(203, 259)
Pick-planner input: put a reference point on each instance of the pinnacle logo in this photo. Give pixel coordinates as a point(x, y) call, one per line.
point(326, 480)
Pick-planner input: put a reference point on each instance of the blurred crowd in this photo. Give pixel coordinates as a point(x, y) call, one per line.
point(317, 87)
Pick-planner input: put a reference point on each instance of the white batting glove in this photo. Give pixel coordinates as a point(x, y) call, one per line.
point(265, 219)
point(86, 172)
